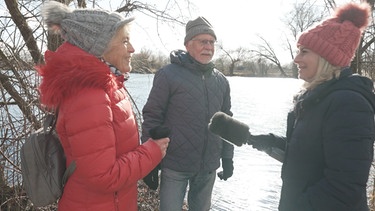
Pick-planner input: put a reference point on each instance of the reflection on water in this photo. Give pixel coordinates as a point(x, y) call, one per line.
point(262, 103)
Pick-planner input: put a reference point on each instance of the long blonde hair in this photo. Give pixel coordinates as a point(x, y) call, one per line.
point(326, 72)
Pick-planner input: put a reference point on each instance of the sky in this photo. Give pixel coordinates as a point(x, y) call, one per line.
point(236, 23)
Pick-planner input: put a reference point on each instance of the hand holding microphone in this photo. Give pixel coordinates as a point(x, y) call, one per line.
point(237, 133)
point(160, 135)
point(262, 142)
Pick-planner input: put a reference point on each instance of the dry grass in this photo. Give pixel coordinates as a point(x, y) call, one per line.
point(148, 200)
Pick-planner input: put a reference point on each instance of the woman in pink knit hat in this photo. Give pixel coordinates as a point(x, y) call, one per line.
point(330, 131)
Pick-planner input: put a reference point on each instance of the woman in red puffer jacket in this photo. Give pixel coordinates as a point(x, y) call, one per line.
point(84, 80)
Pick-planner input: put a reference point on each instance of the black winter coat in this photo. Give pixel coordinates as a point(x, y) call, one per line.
point(184, 97)
point(329, 147)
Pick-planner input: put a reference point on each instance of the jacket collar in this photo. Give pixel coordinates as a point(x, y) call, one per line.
point(183, 58)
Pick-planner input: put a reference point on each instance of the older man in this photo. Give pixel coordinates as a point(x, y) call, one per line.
point(184, 96)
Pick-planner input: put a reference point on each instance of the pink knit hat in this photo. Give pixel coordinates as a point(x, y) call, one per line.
point(336, 38)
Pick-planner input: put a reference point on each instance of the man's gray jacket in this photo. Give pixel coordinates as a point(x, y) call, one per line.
point(184, 97)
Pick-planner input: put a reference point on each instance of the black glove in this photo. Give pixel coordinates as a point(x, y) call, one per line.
point(227, 164)
point(262, 142)
point(152, 179)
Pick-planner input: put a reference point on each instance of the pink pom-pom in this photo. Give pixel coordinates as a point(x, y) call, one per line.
point(358, 14)
point(55, 28)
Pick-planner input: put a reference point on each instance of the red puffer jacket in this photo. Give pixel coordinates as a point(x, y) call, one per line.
point(97, 129)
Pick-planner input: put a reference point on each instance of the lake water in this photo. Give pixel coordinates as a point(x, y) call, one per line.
point(262, 103)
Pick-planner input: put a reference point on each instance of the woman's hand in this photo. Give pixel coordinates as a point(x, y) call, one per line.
point(163, 144)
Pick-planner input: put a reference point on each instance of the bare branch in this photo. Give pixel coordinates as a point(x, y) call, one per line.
point(26, 31)
point(266, 51)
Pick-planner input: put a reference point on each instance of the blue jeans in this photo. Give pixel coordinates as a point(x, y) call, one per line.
point(173, 186)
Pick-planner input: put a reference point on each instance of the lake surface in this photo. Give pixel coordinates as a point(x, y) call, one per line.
point(262, 103)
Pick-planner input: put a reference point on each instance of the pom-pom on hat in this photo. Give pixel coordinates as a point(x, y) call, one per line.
point(198, 26)
point(88, 29)
point(336, 38)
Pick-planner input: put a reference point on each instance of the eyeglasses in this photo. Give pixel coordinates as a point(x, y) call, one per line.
point(205, 42)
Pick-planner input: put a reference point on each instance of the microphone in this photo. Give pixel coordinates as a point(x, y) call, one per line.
point(231, 130)
point(159, 132)
point(237, 133)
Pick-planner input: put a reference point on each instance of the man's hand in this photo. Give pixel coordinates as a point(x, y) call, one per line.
point(227, 164)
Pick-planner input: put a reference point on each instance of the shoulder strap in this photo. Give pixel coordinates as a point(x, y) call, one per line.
point(68, 172)
point(50, 123)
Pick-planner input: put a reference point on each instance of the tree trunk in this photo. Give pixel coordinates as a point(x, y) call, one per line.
point(25, 30)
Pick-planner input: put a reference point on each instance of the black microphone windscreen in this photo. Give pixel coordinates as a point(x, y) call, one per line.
point(159, 132)
point(229, 128)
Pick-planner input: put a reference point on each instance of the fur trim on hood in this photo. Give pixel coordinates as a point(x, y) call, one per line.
point(69, 70)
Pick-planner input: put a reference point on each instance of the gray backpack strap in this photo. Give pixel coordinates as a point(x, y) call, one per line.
point(50, 123)
point(68, 172)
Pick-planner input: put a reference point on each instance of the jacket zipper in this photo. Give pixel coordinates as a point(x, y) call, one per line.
point(205, 138)
point(116, 202)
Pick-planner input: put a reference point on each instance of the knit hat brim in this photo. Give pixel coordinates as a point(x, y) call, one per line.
point(198, 26)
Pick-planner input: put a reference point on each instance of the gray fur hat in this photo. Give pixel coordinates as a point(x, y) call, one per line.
point(198, 26)
point(88, 29)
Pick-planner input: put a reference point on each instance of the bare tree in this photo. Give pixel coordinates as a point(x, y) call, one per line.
point(147, 62)
point(306, 14)
point(22, 41)
point(302, 16)
point(222, 63)
point(298, 19)
point(234, 56)
point(265, 50)
point(262, 67)
point(363, 62)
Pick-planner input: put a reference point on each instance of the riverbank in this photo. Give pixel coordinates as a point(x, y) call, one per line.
point(148, 200)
